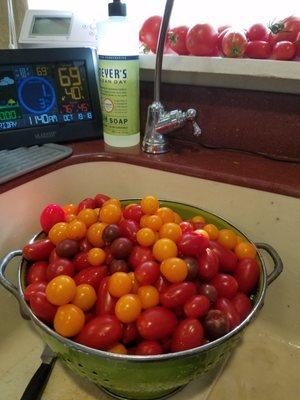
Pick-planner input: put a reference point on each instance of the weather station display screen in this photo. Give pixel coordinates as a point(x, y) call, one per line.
point(43, 94)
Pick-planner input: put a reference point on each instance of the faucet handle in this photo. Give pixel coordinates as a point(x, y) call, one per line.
point(191, 116)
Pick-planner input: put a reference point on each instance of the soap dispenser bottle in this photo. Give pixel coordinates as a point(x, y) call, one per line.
point(118, 47)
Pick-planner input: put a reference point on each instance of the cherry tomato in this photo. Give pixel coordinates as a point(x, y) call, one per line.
point(208, 264)
point(100, 199)
point(226, 306)
point(53, 256)
point(101, 332)
point(91, 275)
point(130, 333)
point(41, 307)
point(171, 231)
point(85, 245)
point(37, 272)
point(115, 202)
point(186, 227)
point(187, 335)
point(146, 237)
point(58, 232)
point(153, 222)
point(38, 250)
point(285, 30)
point(34, 287)
point(133, 212)
point(118, 266)
point(201, 40)
point(105, 302)
point(197, 306)
point(227, 238)
point(226, 285)
point(139, 255)
point(62, 266)
point(209, 291)
point(149, 32)
point(147, 273)
point(297, 45)
point(234, 43)
point(212, 230)
point(222, 28)
point(118, 348)
point(135, 283)
point(94, 234)
point(96, 256)
point(129, 229)
point(216, 324)
point(177, 294)
point(149, 205)
point(119, 284)
point(245, 250)
point(192, 244)
point(242, 304)
point(283, 51)
point(67, 248)
point(257, 32)
point(50, 215)
point(174, 269)
point(164, 248)
point(85, 297)
point(81, 261)
point(128, 308)
point(258, 49)
point(228, 260)
point(70, 208)
point(166, 214)
point(178, 218)
point(121, 248)
point(247, 274)
point(60, 290)
point(110, 214)
point(87, 216)
point(156, 323)
point(148, 348)
point(148, 295)
point(192, 265)
point(86, 203)
point(110, 233)
point(161, 284)
point(69, 320)
point(177, 39)
point(70, 217)
point(76, 230)
point(220, 37)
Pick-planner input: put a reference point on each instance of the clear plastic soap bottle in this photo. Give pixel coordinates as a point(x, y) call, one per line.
point(118, 46)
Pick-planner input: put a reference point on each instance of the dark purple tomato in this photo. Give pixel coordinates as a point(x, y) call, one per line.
point(242, 304)
point(81, 261)
point(226, 285)
point(197, 306)
point(85, 245)
point(187, 335)
point(208, 264)
point(209, 291)
point(227, 258)
point(147, 273)
point(67, 248)
point(192, 265)
point(129, 228)
point(118, 266)
point(226, 306)
point(191, 244)
point(121, 248)
point(139, 255)
point(216, 324)
point(177, 294)
point(105, 303)
point(148, 348)
point(41, 307)
point(156, 323)
point(62, 266)
point(110, 233)
point(130, 333)
point(133, 212)
point(34, 288)
point(247, 274)
point(37, 272)
point(91, 275)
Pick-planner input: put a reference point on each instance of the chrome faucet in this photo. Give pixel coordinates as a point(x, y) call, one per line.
point(159, 121)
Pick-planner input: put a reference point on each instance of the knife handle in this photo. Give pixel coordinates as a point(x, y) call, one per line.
point(37, 383)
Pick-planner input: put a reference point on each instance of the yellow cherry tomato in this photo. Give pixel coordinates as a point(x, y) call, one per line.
point(146, 237)
point(69, 320)
point(96, 256)
point(239, 239)
point(148, 295)
point(164, 248)
point(85, 296)
point(212, 230)
point(174, 269)
point(170, 230)
point(198, 218)
point(128, 308)
point(58, 232)
point(88, 216)
point(166, 214)
point(70, 217)
point(60, 290)
point(76, 230)
point(245, 250)
point(118, 348)
point(149, 204)
point(94, 234)
point(120, 283)
point(227, 238)
point(153, 222)
point(178, 218)
point(110, 214)
point(116, 202)
point(70, 208)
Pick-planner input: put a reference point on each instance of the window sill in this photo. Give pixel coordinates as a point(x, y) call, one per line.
point(264, 75)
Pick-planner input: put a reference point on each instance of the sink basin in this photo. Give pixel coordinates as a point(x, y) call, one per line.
point(265, 364)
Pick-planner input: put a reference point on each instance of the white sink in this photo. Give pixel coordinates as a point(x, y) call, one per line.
point(266, 363)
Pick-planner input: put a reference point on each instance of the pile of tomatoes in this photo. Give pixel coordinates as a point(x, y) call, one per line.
point(137, 279)
point(279, 41)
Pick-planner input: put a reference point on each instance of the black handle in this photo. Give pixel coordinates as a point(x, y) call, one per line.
point(37, 383)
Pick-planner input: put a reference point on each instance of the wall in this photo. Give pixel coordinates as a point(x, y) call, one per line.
point(19, 9)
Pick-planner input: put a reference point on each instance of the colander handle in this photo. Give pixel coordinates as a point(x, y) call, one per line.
point(8, 284)
point(278, 265)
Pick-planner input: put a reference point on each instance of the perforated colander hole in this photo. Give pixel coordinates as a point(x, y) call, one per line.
point(95, 373)
point(80, 365)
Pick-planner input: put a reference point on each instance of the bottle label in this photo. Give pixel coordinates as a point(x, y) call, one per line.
point(119, 94)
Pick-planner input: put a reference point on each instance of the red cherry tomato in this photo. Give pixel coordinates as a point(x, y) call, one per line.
point(149, 32)
point(101, 332)
point(186, 227)
point(147, 273)
point(105, 302)
point(100, 199)
point(191, 244)
point(177, 39)
point(220, 37)
point(226, 285)
point(81, 261)
point(197, 306)
point(285, 30)
point(234, 43)
point(283, 51)
point(223, 28)
point(37, 272)
point(53, 256)
point(38, 251)
point(91, 275)
point(297, 44)
point(242, 304)
point(161, 284)
point(34, 288)
point(201, 40)
point(208, 264)
point(257, 32)
point(177, 294)
point(156, 323)
point(133, 212)
point(41, 307)
point(86, 203)
point(226, 306)
point(148, 348)
point(129, 228)
point(85, 245)
point(258, 49)
point(62, 266)
point(227, 258)
point(140, 255)
point(130, 333)
point(188, 334)
point(209, 291)
point(50, 215)
point(247, 274)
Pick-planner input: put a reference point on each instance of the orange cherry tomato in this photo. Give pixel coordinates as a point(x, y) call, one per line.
point(146, 237)
point(227, 238)
point(118, 348)
point(128, 308)
point(76, 230)
point(148, 295)
point(96, 256)
point(70, 217)
point(164, 248)
point(239, 240)
point(85, 296)
point(88, 216)
point(58, 232)
point(153, 222)
point(60, 290)
point(116, 202)
point(166, 214)
point(110, 214)
point(170, 230)
point(212, 230)
point(149, 204)
point(119, 284)
point(178, 218)
point(198, 218)
point(134, 282)
point(94, 234)
point(96, 211)
point(70, 208)
point(69, 320)
point(245, 250)
point(174, 269)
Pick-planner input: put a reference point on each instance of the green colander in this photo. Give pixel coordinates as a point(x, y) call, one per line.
point(145, 377)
